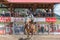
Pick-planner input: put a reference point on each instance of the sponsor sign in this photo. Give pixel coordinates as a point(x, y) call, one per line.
point(53, 19)
point(5, 19)
point(19, 19)
point(2, 31)
point(39, 19)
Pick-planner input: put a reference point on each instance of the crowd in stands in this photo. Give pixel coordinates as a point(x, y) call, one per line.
point(35, 14)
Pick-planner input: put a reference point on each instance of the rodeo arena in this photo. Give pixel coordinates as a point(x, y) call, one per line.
point(29, 20)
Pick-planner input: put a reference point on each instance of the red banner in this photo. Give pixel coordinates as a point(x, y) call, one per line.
point(53, 19)
point(2, 31)
point(5, 19)
point(34, 1)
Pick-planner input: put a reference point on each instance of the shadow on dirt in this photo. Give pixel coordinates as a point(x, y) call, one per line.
point(24, 39)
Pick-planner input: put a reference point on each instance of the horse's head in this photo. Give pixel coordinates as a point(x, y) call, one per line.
point(28, 20)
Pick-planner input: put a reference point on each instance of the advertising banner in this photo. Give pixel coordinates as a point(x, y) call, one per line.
point(23, 19)
point(48, 19)
point(5, 19)
point(39, 19)
point(34, 1)
point(17, 19)
point(2, 31)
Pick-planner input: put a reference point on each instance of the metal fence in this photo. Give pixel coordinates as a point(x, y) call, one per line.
point(45, 29)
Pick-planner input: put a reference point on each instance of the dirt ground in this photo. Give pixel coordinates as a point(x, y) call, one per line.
point(34, 37)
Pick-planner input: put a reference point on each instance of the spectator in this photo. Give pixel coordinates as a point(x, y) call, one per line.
point(42, 29)
point(7, 14)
